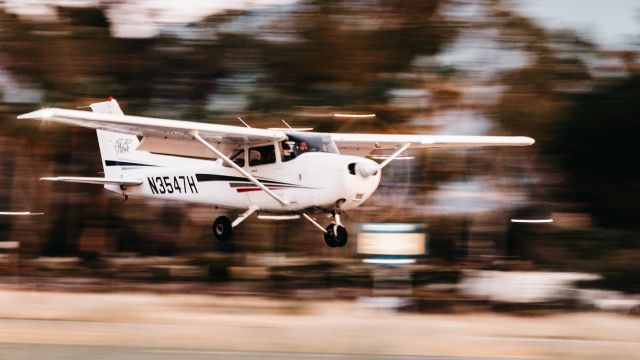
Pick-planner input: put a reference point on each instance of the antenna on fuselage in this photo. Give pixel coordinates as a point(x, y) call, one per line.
point(242, 121)
point(289, 127)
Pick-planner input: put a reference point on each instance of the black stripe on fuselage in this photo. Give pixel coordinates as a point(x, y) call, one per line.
point(214, 177)
point(123, 163)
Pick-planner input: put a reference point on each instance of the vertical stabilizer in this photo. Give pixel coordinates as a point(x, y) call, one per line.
point(113, 146)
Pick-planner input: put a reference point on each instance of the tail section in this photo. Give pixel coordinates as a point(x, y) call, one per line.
point(116, 149)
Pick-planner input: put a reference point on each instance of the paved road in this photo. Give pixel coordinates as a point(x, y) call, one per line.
point(144, 326)
point(17, 351)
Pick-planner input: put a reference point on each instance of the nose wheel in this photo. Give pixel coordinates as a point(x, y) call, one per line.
point(336, 235)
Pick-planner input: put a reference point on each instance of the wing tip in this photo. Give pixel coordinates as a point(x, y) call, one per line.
point(38, 114)
point(528, 141)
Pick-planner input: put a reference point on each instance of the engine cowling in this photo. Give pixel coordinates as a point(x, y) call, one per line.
point(366, 169)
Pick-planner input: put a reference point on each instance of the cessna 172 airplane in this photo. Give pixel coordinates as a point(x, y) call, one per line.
point(279, 174)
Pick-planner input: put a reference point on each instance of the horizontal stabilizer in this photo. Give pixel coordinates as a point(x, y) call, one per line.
point(94, 180)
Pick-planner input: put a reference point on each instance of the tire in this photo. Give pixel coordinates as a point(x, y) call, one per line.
point(222, 229)
point(336, 236)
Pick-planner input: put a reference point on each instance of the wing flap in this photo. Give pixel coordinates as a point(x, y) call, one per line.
point(179, 147)
point(94, 180)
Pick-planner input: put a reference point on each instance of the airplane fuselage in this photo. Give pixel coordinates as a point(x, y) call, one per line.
point(312, 180)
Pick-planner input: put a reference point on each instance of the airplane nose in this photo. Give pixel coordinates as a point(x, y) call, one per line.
point(367, 168)
point(360, 181)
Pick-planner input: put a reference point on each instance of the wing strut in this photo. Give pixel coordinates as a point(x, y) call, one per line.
point(242, 171)
point(244, 215)
point(394, 155)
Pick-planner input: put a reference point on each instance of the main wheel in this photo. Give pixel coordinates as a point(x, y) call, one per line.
point(336, 235)
point(222, 229)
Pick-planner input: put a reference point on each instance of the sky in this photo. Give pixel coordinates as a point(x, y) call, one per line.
point(610, 23)
point(144, 18)
point(607, 22)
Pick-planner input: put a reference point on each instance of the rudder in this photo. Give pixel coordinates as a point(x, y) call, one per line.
point(113, 147)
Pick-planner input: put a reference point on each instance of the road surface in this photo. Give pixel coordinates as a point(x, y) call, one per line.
point(68, 325)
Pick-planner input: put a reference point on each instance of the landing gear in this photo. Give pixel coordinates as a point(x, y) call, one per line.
point(222, 229)
point(335, 235)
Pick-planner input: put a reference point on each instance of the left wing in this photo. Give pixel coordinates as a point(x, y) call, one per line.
point(156, 128)
point(363, 144)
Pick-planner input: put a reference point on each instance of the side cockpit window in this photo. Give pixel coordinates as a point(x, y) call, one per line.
point(262, 155)
point(288, 150)
point(298, 144)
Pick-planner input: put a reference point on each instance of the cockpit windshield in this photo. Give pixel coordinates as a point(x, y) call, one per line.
point(298, 144)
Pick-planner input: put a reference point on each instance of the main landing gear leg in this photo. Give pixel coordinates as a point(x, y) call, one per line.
point(335, 235)
point(223, 227)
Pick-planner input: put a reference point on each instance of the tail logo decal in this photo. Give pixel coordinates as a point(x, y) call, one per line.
point(122, 146)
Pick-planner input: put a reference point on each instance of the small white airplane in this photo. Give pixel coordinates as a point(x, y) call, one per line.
point(278, 173)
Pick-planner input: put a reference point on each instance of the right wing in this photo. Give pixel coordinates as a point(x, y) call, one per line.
point(364, 144)
point(94, 180)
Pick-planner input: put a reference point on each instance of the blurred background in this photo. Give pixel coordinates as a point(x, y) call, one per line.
point(565, 73)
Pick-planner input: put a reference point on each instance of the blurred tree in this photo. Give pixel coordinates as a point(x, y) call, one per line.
point(337, 53)
point(598, 142)
point(538, 95)
point(75, 57)
point(344, 47)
